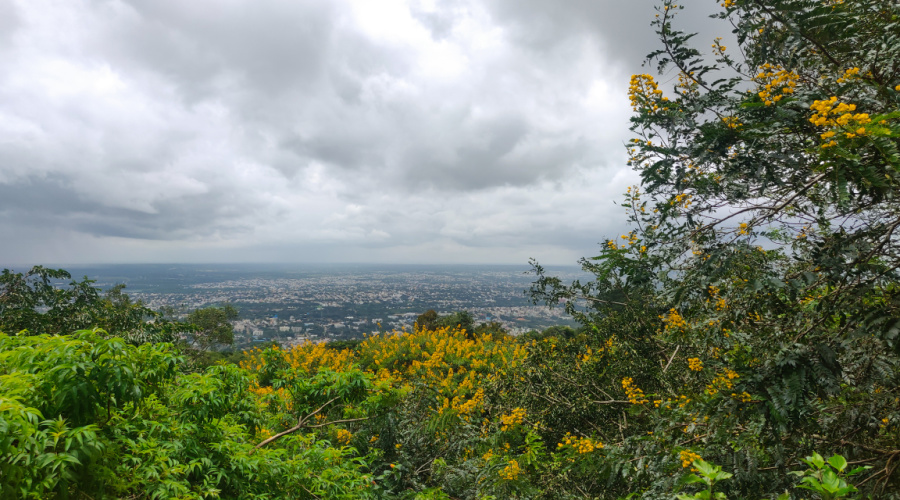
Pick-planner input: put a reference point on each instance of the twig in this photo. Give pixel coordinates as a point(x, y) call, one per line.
point(300, 424)
point(671, 358)
point(337, 422)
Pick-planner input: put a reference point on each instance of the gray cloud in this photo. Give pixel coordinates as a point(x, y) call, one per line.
point(168, 130)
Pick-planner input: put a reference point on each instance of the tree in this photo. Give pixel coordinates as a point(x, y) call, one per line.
point(212, 326)
point(35, 302)
point(23, 295)
point(460, 319)
point(427, 320)
point(764, 246)
point(430, 320)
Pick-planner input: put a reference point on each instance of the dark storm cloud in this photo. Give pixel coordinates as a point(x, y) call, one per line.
point(400, 125)
point(621, 29)
point(273, 45)
point(53, 205)
point(504, 150)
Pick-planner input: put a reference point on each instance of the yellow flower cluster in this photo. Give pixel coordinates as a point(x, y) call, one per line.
point(722, 381)
point(849, 75)
point(579, 445)
point(744, 229)
point(631, 238)
point(683, 200)
point(445, 360)
point(688, 457)
point(833, 114)
point(513, 419)
point(674, 321)
point(727, 3)
point(465, 408)
point(686, 84)
point(592, 355)
point(743, 397)
point(511, 471)
point(633, 392)
point(309, 356)
point(714, 295)
point(643, 91)
point(695, 364)
point(343, 436)
point(776, 82)
point(718, 47)
point(732, 122)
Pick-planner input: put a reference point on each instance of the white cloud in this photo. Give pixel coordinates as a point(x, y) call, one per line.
point(458, 131)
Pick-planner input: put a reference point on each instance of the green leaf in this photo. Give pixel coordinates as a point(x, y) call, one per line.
point(838, 462)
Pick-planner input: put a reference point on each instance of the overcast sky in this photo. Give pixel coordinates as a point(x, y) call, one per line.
point(451, 131)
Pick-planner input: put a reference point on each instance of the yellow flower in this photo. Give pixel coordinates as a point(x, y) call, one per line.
point(513, 419)
point(343, 435)
point(688, 457)
point(695, 364)
point(511, 471)
point(633, 392)
point(579, 445)
point(674, 321)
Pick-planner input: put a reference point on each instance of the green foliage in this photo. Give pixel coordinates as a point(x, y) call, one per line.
point(460, 319)
point(211, 326)
point(427, 320)
point(755, 302)
point(824, 477)
point(430, 320)
point(31, 302)
point(84, 415)
point(58, 394)
point(709, 475)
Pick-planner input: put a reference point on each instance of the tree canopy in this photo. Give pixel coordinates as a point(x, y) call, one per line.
point(36, 302)
point(763, 256)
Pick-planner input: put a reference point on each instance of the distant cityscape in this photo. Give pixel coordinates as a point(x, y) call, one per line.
point(294, 304)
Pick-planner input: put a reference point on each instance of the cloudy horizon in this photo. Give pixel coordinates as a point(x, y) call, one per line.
point(402, 131)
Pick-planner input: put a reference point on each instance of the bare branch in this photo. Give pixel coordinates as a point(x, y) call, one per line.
point(337, 422)
point(671, 358)
point(300, 424)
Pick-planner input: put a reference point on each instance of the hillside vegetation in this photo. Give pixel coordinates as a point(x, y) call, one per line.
point(741, 341)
